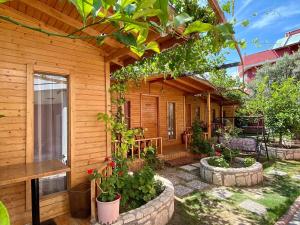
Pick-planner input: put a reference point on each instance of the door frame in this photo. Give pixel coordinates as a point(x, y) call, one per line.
point(157, 105)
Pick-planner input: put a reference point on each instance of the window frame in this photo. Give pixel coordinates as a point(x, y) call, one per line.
point(175, 120)
point(29, 152)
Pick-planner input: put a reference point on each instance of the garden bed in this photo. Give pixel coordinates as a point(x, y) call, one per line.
point(157, 211)
point(292, 153)
point(243, 176)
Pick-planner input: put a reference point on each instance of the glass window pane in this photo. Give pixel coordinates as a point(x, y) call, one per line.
point(51, 126)
point(171, 120)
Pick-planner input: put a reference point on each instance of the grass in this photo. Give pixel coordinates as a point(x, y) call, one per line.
point(276, 194)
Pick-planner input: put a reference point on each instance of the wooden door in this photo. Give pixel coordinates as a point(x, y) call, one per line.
point(188, 115)
point(149, 115)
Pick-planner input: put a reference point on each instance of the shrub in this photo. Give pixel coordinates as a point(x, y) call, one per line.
point(199, 145)
point(151, 159)
point(249, 161)
point(218, 162)
point(137, 189)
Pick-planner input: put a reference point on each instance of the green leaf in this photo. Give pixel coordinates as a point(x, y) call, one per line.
point(2, 1)
point(84, 7)
point(97, 4)
point(227, 7)
point(143, 4)
point(198, 26)
point(142, 37)
point(125, 3)
point(129, 9)
point(163, 6)
point(182, 19)
point(127, 39)
point(147, 13)
point(108, 3)
point(245, 23)
point(153, 45)
point(139, 50)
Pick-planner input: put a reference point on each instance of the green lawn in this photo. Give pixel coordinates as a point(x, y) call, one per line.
point(276, 194)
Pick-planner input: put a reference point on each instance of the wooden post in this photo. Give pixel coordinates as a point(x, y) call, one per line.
point(209, 116)
point(107, 106)
point(93, 200)
point(184, 119)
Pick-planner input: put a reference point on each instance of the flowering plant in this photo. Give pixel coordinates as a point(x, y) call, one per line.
point(107, 185)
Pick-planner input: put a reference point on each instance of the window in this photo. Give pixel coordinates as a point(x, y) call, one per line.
point(197, 113)
point(171, 121)
point(127, 113)
point(51, 127)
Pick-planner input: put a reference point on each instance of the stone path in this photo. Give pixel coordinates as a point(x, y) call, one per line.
point(253, 207)
point(277, 173)
point(295, 220)
point(186, 179)
point(221, 193)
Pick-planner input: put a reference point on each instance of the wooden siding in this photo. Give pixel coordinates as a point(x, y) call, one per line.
point(165, 94)
point(23, 51)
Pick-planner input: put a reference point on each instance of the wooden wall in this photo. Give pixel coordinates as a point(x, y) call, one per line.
point(166, 94)
point(23, 51)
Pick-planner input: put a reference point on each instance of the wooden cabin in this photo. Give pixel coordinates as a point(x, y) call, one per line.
point(51, 90)
point(164, 108)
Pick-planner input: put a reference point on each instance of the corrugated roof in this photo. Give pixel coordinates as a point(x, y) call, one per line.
point(280, 43)
point(293, 39)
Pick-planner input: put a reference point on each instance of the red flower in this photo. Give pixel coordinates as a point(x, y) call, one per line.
point(112, 164)
point(218, 153)
point(90, 171)
point(118, 196)
point(106, 159)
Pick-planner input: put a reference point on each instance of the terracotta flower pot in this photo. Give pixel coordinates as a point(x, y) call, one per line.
point(108, 212)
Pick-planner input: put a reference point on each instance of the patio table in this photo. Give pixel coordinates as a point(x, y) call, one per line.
point(31, 171)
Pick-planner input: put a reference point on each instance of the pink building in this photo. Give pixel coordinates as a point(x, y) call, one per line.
point(288, 44)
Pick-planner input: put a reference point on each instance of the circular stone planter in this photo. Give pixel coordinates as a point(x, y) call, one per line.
point(284, 153)
point(244, 176)
point(156, 212)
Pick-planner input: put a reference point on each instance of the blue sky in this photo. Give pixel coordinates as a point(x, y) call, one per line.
point(274, 18)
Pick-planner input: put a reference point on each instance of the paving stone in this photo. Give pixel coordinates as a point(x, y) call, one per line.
point(188, 168)
point(277, 172)
point(296, 177)
point(197, 184)
point(195, 165)
point(221, 193)
point(186, 176)
point(295, 220)
point(181, 190)
point(253, 207)
point(254, 193)
point(175, 180)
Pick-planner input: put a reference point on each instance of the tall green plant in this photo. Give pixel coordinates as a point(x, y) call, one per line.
point(198, 144)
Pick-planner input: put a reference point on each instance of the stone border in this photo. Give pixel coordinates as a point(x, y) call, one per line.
point(246, 176)
point(283, 153)
point(286, 218)
point(156, 212)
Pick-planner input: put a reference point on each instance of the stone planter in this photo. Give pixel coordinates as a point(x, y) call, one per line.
point(244, 176)
point(284, 153)
point(156, 212)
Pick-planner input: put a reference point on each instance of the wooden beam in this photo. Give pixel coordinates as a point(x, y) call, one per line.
point(196, 84)
point(209, 116)
point(38, 5)
point(180, 87)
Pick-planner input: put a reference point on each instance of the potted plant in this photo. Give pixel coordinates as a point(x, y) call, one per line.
point(108, 200)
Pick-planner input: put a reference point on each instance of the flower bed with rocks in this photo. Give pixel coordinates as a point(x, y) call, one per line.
point(243, 176)
point(155, 212)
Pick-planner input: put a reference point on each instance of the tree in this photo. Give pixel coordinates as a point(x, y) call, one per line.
point(279, 103)
point(285, 67)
